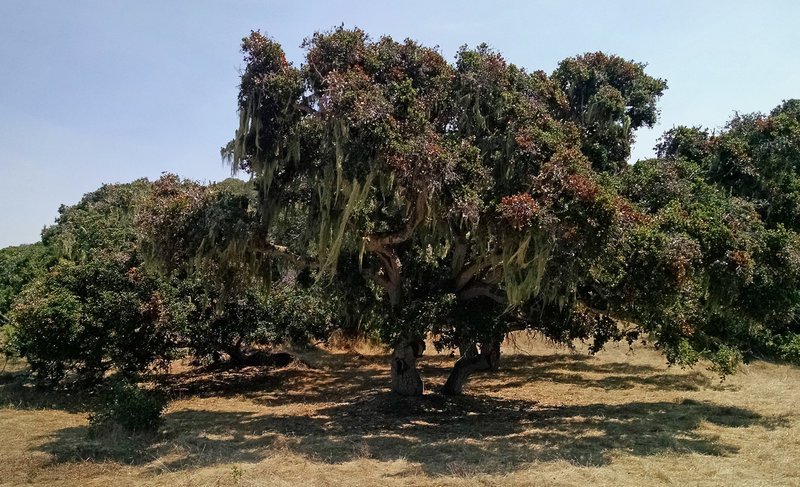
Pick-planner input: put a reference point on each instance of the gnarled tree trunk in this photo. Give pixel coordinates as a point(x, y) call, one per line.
point(405, 378)
point(470, 362)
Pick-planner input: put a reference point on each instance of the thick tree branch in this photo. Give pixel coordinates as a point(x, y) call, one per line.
point(465, 276)
point(480, 289)
point(379, 279)
point(492, 266)
point(382, 246)
point(417, 216)
point(459, 254)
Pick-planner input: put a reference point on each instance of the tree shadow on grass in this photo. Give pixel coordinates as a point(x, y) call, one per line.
point(273, 387)
point(346, 375)
point(349, 415)
point(349, 374)
point(572, 369)
point(18, 391)
point(489, 434)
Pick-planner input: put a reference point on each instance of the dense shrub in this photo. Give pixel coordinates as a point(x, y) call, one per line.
point(89, 318)
point(123, 403)
point(97, 307)
point(19, 266)
point(103, 307)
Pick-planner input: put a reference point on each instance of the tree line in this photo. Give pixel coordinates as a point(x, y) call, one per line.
point(395, 195)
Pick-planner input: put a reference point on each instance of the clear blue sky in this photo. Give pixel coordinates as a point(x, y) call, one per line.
point(109, 91)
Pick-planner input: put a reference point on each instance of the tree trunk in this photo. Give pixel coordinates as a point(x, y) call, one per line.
point(468, 349)
point(405, 378)
point(471, 362)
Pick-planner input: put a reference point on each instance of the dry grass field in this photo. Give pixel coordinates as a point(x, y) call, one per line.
point(547, 417)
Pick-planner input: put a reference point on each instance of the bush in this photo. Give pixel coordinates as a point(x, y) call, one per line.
point(125, 404)
point(82, 320)
point(18, 266)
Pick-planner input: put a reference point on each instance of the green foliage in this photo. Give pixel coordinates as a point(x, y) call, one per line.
point(481, 182)
point(199, 236)
point(123, 403)
point(454, 184)
point(610, 97)
point(87, 318)
point(394, 194)
point(725, 360)
point(225, 325)
point(182, 219)
point(102, 220)
point(104, 307)
point(688, 275)
point(786, 347)
point(684, 143)
point(98, 308)
point(42, 330)
point(737, 205)
point(18, 266)
point(757, 157)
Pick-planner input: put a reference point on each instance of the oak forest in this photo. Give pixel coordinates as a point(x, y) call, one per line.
point(431, 214)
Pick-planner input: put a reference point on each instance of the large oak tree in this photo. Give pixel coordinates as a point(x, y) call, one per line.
point(461, 201)
point(467, 192)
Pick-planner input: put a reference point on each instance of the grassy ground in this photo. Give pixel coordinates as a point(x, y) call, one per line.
point(548, 417)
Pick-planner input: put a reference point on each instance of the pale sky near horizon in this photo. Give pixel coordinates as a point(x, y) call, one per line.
point(96, 92)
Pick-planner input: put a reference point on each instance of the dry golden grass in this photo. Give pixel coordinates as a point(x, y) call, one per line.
point(548, 417)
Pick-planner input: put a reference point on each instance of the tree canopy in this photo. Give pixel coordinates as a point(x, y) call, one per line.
point(395, 194)
point(476, 198)
point(18, 266)
point(93, 300)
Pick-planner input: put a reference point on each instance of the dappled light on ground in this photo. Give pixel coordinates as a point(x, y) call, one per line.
point(332, 418)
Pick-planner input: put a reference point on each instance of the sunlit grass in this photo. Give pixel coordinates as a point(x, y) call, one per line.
point(547, 417)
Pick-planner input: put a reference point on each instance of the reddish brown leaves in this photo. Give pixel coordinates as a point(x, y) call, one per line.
point(519, 210)
point(582, 187)
point(627, 214)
